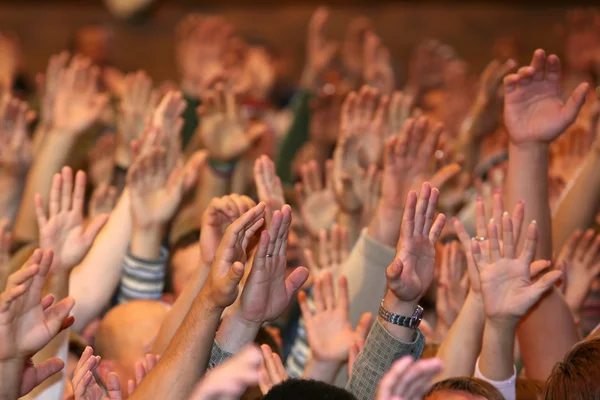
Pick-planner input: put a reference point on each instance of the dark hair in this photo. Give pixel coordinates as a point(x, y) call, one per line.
point(473, 386)
point(302, 389)
point(183, 242)
point(529, 389)
point(578, 375)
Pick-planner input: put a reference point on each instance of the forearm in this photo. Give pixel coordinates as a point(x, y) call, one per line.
point(352, 222)
point(146, 242)
point(496, 361)
point(321, 371)
point(548, 332)
point(579, 205)
point(49, 161)
point(94, 281)
point(186, 357)
point(10, 376)
point(462, 344)
point(179, 310)
point(212, 185)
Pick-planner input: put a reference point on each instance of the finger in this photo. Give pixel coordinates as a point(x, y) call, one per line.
point(431, 207)
point(518, 216)
point(508, 237)
point(57, 315)
point(79, 193)
point(295, 281)
point(530, 245)
point(307, 314)
point(480, 220)
point(55, 192)
point(67, 189)
point(328, 292)
point(584, 244)
point(421, 210)
point(408, 219)
point(343, 300)
point(494, 244)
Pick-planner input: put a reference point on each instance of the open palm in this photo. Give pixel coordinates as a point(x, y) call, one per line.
point(534, 109)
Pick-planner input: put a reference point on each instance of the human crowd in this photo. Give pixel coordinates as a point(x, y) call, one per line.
point(232, 236)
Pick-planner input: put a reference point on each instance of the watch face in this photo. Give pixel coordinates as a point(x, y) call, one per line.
point(417, 316)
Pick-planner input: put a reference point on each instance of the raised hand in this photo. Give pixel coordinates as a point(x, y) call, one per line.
point(506, 285)
point(353, 48)
point(534, 110)
point(271, 372)
point(137, 105)
point(408, 379)
point(317, 203)
point(220, 213)
point(62, 230)
point(29, 322)
point(410, 274)
point(225, 134)
point(5, 243)
point(268, 185)
point(333, 251)
point(453, 284)
point(102, 160)
point(49, 86)
point(319, 51)
point(142, 368)
point(155, 190)
point(378, 71)
point(328, 329)
point(84, 383)
point(227, 268)
point(103, 200)
point(231, 379)
point(267, 292)
point(580, 258)
point(78, 103)
point(427, 65)
point(16, 152)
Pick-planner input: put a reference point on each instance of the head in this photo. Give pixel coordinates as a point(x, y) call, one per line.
point(529, 389)
point(577, 377)
point(293, 389)
point(463, 389)
point(183, 260)
point(126, 335)
point(94, 41)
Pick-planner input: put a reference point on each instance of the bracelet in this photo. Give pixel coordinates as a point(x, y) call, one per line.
point(223, 169)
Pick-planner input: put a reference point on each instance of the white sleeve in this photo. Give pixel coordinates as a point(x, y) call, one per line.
point(507, 387)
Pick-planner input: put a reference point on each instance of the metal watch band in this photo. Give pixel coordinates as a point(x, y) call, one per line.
point(411, 322)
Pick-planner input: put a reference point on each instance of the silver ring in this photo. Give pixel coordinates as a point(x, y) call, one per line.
point(479, 239)
point(269, 255)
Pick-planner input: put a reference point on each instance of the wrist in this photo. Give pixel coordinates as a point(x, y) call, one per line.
point(502, 323)
point(324, 371)
point(11, 371)
point(236, 331)
point(397, 306)
point(146, 241)
point(385, 226)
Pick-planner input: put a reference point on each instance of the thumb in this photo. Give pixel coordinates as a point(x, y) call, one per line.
point(48, 368)
point(544, 283)
point(394, 270)
point(235, 273)
point(56, 315)
point(295, 281)
point(364, 325)
point(575, 102)
point(94, 228)
point(193, 168)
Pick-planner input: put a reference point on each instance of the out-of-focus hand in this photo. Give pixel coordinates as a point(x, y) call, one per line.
point(102, 161)
point(333, 251)
point(267, 292)
point(581, 259)
point(142, 368)
point(5, 244)
point(506, 285)
point(16, 151)
point(221, 287)
point(271, 372)
point(231, 379)
point(378, 71)
point(225, 134)
point(317, 203)
point(408, 379)
point(78, 102)
point(353, 48)
point(328, 329)
point(49, 85)
point(427, 65)
point(534, 110)
point(29, 322)
point(319, 51)
point(63, 230)
point(138, 101)
point(103, 200)
point(268, 185)
point(220, 213)
point(84, 383)
point(453, 284)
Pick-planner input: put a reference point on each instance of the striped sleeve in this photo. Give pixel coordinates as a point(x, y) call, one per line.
point(142, 279)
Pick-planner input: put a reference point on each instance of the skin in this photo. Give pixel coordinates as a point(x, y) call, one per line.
point(126, 334)
point(183, 264)
point(452, 395)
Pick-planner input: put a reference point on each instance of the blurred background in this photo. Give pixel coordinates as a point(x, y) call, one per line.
point(145, 39)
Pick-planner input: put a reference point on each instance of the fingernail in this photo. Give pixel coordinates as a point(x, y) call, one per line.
point(505, 214)
point(492, 220)
point(534, 222)
point(478, 198)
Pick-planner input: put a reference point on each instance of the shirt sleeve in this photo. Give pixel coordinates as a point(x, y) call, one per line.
point(142, 279)
point(218, 356)
point(380, 351)
point(507, 387)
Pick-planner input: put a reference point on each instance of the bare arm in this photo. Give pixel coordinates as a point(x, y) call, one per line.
point(547, 333)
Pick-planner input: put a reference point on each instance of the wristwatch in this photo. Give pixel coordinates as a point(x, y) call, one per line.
point(411, 322)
